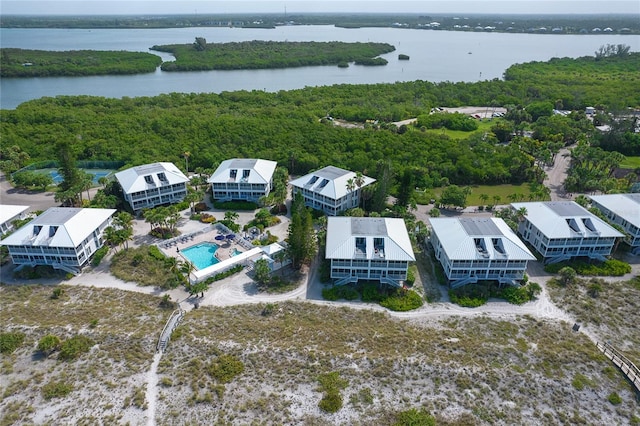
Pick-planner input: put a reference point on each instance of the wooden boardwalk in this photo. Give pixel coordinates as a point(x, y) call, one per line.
point(171, 324)
point(627, 367)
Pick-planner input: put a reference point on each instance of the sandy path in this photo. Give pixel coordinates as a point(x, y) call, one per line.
point(557, 174)
point(152, 390)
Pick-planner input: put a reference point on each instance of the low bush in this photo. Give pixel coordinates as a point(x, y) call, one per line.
point(467, 300)
point(99, 255)
point(155, 252)
point(49, 343)
point(515, 295)
point(207, 218)
point(402, 301)
point(74, 347)
point(57, 293)
point(230, 224)
point(225, 368)
point(608, 268)
point(370, 293)
point(340, 292)
point(331, 384)
point(235, 205)
point(414, 417)
point(9, 342)
point(411, 276)
point(56, 390)
point(200, 207)
point(225, 274)
point(614, 398)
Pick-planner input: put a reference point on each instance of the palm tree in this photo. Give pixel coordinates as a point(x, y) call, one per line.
point(351, 185)
point(359, 181)
point(280, 257)
point(484, 198)
point(186, 156)
point(231, 215)
point(521, 213)
point(496, 199)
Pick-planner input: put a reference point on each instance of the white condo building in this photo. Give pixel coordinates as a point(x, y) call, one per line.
point(368, 248)
point(327, 189)
point(62, 237)
point(152, 185)
point(474, 249)
point(624, 210)
point(9, 213)
point(242, 179)
point(560, 230)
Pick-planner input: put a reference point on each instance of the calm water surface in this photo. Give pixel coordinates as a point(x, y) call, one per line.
point(435, 56)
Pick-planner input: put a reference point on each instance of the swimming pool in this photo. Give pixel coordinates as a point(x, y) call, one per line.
point(201, 255)
point(235, 252)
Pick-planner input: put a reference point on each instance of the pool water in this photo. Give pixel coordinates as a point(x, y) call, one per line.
point(201, 255)
point(235, 252)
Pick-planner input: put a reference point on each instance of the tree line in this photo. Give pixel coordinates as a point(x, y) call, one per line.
point(257, 54)
point(45, 63)
point(287, 126)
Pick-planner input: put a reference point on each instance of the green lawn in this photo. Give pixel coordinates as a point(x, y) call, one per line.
point(483, 126)
point(630, 163)
point(503, 191)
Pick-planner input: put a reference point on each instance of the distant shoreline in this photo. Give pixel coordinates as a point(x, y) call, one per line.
point(595, 24)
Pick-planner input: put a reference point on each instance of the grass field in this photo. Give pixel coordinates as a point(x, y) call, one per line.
point(484, 126)
point(502, 191)
point(630, 163)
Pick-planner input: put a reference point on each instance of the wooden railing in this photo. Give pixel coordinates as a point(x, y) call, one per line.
point(171, 324)
point(627, 367)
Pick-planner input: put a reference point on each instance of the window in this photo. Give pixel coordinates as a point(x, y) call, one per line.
point(233, 173)
point(162, 177)
point(148, 179)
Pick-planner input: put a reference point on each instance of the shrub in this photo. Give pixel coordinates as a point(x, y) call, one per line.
point(99, 255)
point(609, 268)
point(9, 342)
point(414, 417)
point(56, 390)
point(411, 276)
point(235, 205)
point(74, 347)
point(515, 295)
point(331, 384)
point(155, 252)
point(331, 402)
point(195, 216)
point(200, 207)
point(57, 293)
point(49, 343)
point(402, 301)
point(370, 293)
point(225, 368)
point(614, 398)
point(467, 301)
point(340, 292)
point(207, 218)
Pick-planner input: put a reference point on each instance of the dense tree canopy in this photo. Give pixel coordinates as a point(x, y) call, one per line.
point(45, 63)
point(286, 126)
point(268, 54)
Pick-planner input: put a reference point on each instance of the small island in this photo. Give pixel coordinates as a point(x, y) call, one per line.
point(203, 56)
point(44, 63)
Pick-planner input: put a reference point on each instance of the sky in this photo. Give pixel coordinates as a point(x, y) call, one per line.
point(159, 7)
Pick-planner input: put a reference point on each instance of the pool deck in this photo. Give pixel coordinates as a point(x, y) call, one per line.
point(174, 247)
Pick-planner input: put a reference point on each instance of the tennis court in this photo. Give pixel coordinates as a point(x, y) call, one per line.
point(97, 174)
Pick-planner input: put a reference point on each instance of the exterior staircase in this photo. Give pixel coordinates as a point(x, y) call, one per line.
point(171, 325)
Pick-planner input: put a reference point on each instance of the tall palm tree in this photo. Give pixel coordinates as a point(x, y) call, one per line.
point(359, 181)
point(351, 185)
point(186, 156)
point(484, 198)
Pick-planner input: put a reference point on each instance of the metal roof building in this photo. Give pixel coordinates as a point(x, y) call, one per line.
point(560, 230)
point(368, 248)
point(153, 184)
point(9, 213)
point(472, 249)
point(624, 210)
point(327, 189)
point(242, 179)
point(62, 237)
